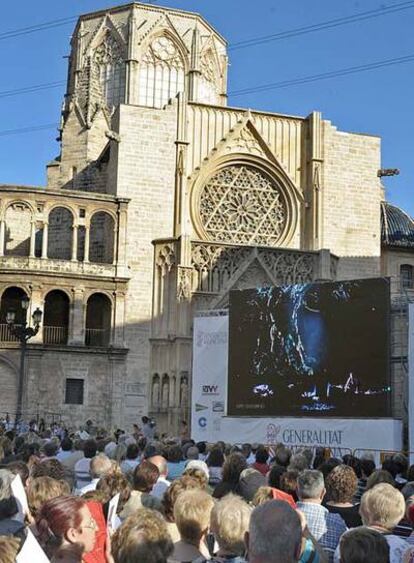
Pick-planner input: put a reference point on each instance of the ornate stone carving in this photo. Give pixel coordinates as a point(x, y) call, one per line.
point(108, 52)
point(165, 258)
point(245, 142)
point(184, 283)
point(289, 267)
point(163, 50)
point(209, 69)
point(218, 267)
point(241, 204)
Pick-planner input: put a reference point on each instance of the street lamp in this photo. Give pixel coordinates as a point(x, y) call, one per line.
point(23, 333)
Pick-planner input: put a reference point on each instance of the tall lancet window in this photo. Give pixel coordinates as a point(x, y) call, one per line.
point(161, 73)
point(111, 71)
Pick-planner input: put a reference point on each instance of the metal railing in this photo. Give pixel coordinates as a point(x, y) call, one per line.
point(55, 335)
point(97, 336)
point(6, 335)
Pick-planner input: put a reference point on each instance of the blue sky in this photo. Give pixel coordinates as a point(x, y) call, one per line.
point(379, 102)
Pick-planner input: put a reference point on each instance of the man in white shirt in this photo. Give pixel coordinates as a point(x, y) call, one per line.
point(99, 467)
point(82, 467)
point(162, 483)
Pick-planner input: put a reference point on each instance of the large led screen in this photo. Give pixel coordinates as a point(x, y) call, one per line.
point(319, 349)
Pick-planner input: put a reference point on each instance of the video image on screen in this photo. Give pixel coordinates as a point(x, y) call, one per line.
point(318, 349)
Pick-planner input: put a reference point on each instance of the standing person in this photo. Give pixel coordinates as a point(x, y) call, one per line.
point(325, 527)
point(148, 428)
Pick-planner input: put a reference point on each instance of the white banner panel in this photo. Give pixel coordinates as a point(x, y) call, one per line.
point(411, 380)
point(209, 381)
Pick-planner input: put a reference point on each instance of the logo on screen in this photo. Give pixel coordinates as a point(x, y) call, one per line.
point(202, 422)
point(210, 389)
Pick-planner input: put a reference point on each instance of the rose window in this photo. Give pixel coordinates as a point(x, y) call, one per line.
point(243, 205)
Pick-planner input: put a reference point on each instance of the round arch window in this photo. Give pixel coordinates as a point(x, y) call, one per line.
point(242, 204)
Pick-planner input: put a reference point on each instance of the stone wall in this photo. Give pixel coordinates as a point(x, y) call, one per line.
point(351, 197)
point(145, 173)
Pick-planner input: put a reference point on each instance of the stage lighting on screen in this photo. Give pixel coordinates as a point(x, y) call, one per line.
point(319, 349)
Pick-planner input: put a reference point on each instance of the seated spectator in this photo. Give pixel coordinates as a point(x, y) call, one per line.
point(282, 456)
point(9, 548)
point(8, 506)
point(250, 481)
point(328, 465)
point(162, 483)
point(232, 468)
point(274, 475)
point(65, 451)
point(109, 486)
point(298, 462)
point(264, 494)
point(229, 523)
point(144, 478)
point(192, 453)
point(215, 463)
point(176, 464)
point(192, 517)
point(66, 529)
point(48, 468)
point(367, 468)
point(50, 450)
point(42, 489)
point(401, 465)
point(289, 483)
point(197, 472)
point(363, 544)
point(142, 538)
point(170, 497)
point(341, 486)
point(382, 507)
point(261, 464)
point(379, 476)
point(246, 450)
point(325, 527)
point(99, 467)
point(132, 459)
point(202, 451)
point(82, 467)
point(275, 534)
point(19, 468)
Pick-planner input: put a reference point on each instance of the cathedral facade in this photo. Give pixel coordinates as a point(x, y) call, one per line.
point(162, 200)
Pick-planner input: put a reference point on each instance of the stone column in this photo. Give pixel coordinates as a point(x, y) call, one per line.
point(76, 324)
point(45, 240)
point(86, 252)
point(32, 239)
point(2, 233)
point(121, 240)
point(74, 243)
point(119, 320)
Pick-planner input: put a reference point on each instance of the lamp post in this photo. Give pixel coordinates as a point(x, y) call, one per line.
point(23, 333)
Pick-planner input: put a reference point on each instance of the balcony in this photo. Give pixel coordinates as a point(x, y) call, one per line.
point(97, 337)
point(55, 335)
point(61, 267)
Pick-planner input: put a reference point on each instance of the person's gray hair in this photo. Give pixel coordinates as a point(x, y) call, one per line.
point(298, 462)
point(100, 466)
point(267, 546)
point(310, 484)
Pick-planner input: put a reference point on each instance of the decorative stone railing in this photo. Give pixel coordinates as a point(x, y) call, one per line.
point(215, 265)
point(45, 266)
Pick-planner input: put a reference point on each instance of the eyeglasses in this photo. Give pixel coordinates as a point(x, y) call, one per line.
point(92, 525)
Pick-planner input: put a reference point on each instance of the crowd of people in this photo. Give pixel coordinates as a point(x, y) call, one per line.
point(97, 497)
